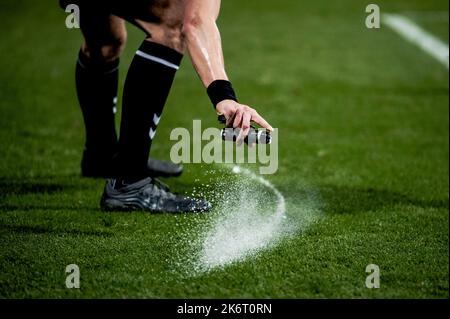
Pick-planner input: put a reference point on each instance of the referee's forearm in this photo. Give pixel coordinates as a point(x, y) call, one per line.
point(203, 42)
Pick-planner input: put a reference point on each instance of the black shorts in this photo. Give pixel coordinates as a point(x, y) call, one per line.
point(135, 9)
point(64, 3)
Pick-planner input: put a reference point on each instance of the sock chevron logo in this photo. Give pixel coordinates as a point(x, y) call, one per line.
point(152, 133)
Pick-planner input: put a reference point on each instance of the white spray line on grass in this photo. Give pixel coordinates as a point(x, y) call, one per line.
point(250, 216)
point(242, 229)
point(281, 202)
point(416, 35)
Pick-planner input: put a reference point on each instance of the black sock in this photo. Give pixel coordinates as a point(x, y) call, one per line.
point(147, 87)
point(97, 83)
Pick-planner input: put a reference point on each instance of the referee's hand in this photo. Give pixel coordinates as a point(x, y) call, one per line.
point(240, 116)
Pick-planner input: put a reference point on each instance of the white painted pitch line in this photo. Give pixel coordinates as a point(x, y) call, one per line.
point(438, 16)
point(416, 35)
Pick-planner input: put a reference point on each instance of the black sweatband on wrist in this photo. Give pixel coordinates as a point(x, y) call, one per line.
point(220, 90)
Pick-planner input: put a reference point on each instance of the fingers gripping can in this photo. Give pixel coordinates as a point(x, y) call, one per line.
point(255, 136)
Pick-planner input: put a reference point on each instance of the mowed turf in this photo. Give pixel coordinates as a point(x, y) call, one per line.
point(363, 120)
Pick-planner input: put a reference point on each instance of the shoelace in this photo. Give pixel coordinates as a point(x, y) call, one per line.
point(158, 189)
point(160, 184)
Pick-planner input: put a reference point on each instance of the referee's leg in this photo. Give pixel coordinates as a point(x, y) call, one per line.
point(149, 80)
point(147, 87)
point(97, 73)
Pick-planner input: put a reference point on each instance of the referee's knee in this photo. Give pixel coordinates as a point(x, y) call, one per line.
point(107, 51)
point(173, 36)
point(168, 32)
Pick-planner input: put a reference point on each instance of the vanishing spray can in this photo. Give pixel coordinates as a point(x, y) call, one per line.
point(255, 136)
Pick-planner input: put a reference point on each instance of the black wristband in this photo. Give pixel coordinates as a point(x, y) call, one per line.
point(220, 90)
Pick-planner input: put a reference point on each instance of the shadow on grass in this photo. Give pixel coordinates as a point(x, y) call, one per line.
point(48, 207)
point(26, 229)
point(348, 200)
point(30, 187)
point(46, 186)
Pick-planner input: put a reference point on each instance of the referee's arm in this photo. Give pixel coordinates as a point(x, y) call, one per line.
point(205, 49)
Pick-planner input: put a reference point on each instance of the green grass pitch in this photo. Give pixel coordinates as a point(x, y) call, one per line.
point(363, 118)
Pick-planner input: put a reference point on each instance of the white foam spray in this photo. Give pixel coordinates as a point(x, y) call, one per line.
point(244, 229)
point(249, 216)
